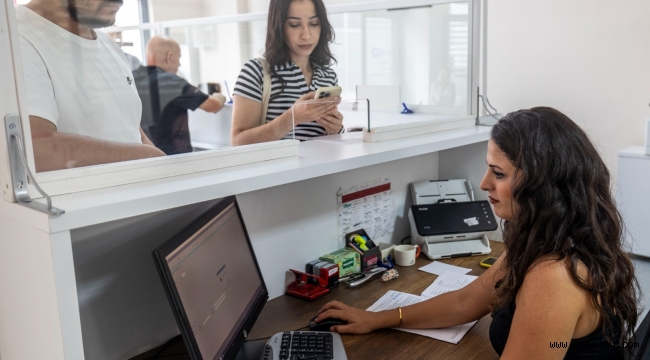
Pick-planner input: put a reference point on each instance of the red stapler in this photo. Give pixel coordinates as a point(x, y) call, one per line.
point(302, 289)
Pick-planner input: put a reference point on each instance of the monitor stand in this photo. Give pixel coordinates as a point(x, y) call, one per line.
point(251, 350)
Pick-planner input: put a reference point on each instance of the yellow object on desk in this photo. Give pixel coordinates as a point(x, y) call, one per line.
point(487, 262)
point(361, 241)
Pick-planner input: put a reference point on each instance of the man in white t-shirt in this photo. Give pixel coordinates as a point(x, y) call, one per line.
point(82, 101)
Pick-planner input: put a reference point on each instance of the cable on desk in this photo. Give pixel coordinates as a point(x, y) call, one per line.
point(402, 241)
point(268, 337)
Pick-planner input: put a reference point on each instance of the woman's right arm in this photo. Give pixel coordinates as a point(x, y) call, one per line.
point(246, 127)
point(246, 115)
point(453, 308)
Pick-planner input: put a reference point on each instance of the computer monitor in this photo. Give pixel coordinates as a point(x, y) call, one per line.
point(213, 282)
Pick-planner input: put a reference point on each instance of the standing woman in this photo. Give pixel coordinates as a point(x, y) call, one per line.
point(299, 59)
point(564, 277)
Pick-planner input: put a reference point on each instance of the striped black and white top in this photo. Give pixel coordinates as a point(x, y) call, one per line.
point(250, 82)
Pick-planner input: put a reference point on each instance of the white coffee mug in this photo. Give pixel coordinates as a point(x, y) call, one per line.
point(405, 254)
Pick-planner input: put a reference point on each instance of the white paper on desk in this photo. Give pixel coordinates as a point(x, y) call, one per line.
point(367, 206)
point(447, 282)
point(452, 334)
point(439, 268)
point(393, 299)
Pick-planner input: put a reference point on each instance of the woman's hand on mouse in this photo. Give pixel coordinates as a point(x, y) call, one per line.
point(359, 321)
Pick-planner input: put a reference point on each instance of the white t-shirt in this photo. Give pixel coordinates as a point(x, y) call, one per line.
point(83, 86)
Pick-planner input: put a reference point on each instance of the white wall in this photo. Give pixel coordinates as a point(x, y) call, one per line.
point(311, 206)
point(588, 59)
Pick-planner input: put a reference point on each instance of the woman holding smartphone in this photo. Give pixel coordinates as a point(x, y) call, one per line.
point(299, 60)
point(564, 277)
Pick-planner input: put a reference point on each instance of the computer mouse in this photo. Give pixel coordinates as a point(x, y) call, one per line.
point(326, 324)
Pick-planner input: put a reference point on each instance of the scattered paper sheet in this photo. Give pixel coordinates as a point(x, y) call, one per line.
point(368, 206)
point(447, 282)
point(439, 268)
point(451, 334)
point(393, 299)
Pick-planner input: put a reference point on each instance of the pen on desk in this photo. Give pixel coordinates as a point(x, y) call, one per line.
point(355, 248)
point(228, 91)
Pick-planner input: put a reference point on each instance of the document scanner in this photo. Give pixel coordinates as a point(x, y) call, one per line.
point(446, 222)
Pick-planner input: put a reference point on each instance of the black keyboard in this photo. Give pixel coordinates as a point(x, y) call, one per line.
point(306, 345)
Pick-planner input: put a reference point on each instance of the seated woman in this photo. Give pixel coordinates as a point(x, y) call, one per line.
point(299, 59)
point(564, 276)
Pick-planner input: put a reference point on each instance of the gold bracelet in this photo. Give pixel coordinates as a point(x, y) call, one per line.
point(400, 316)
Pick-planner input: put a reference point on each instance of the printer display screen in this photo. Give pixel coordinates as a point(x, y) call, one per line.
point(454, 218)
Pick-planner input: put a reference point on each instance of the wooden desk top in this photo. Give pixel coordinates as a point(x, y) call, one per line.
point(288, 313)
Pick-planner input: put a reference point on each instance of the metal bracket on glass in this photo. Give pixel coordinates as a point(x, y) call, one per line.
point(20, 170)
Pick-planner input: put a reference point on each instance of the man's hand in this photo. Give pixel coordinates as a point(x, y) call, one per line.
point(214, 103)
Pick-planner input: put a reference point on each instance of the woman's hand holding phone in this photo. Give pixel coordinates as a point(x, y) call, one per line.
point(307, 109)
point(332, 122)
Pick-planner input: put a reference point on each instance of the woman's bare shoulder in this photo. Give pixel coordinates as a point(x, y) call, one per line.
point(555, 274)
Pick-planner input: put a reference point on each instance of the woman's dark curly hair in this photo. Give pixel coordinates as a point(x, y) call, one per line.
point(276, 51)
point(563, 208)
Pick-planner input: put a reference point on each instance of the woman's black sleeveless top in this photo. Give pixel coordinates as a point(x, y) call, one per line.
point(593, 346)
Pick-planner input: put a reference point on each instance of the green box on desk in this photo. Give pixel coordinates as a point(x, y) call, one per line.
point(348, 261)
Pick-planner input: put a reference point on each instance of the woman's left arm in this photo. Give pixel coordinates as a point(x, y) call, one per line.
point(548, 306)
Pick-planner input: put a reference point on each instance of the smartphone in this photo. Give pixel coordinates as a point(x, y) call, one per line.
point(330, 91)
point(486, 263)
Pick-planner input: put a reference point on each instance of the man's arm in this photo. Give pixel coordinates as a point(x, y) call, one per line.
point(145, 139)
point(214, 103)
point(55, 151)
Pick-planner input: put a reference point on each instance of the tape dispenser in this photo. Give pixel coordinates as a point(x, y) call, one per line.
point(300, 288)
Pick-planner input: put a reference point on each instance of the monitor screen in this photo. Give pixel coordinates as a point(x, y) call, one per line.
point(213, 282)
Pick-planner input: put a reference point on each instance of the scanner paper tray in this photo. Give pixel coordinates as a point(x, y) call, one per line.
point(450, 249)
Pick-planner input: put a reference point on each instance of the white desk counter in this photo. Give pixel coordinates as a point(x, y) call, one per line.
point(83, 285)
point(329, 155)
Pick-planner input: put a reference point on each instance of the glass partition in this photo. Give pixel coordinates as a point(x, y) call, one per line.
point(93, 97)
point(424, 51)
point(132, 43)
